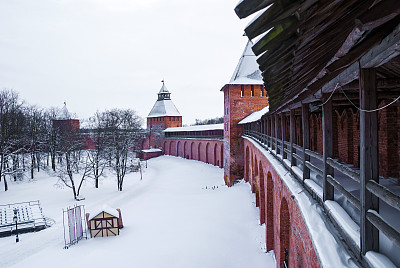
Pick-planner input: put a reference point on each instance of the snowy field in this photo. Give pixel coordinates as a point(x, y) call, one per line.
point(170, 220)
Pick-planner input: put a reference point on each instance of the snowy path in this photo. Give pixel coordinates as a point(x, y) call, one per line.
point(170, 220)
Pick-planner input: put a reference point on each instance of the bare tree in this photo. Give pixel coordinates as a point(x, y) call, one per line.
point(124, 131)
point(35, 131)
point(11, 124)
point(73, 169)
point(51, 133)
point(97, 154)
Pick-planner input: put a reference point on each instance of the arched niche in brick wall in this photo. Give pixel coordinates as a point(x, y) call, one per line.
point(191, 150)
point(165, 147)
point(221, 165)
point(270, 212)
point(256, 181)
point(262, 194)
point(199, 152)
point(216, 163)
point(178, 148)
point(207, 152)
point(284, 234)
point(247, 164)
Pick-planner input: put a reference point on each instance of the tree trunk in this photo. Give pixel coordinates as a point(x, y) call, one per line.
point(53, 161)
point(70, 175)
point(32, 164)
point(1, 172)
point(96, 176)
point(38, 162)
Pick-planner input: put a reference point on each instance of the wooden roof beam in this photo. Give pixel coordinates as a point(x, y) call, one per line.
point(286, 47)
point(248, 7)
point(278, 12)
point(281, 32)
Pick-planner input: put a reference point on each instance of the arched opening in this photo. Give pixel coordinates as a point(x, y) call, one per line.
point(262, 195)
point(270, 212)
point(247, 165)
point(165, 147)
point(191, 150)
point(284, 234)
point(345, 132)
point(216, 162)
point(207, 152)
point(185, 154)
point(256, 182)
point(221, 164)
point(178, 149)
point(199, 152)
point(172, 148)
point(253, 175)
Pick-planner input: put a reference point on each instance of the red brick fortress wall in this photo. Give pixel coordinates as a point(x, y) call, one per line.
point(207, 151)
point(155, 126)
point(285, 226)
point(239, 102)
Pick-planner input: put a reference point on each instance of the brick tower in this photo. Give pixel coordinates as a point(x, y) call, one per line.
point(243, 95)
point(64, 123)
point(163, 115)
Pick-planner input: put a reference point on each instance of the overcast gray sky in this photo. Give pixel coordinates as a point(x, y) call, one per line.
point(103, 54)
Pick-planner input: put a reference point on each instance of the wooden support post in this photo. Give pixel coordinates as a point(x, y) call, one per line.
point(273, 132)
point(327, 132)
point(283, 127)
point(270, 131)
point(265, 130)
point(292, 137)
point(305, 115)
point(276, 133)
point(369, 165)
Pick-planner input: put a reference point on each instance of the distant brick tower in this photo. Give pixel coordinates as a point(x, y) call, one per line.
point(163, 115)
point(64, 123)
point(243, 95)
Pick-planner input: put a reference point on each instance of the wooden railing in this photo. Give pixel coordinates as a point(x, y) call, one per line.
point(292, 151)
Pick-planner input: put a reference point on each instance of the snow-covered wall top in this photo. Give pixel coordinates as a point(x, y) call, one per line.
point(152, 150)
point(254, 116)
point(196, 128)
point(247, 71)
point(164, 108)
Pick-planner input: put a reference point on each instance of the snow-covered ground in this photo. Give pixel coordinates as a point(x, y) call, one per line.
point(170, 220)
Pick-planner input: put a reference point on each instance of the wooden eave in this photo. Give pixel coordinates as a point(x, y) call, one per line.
point(314, 42)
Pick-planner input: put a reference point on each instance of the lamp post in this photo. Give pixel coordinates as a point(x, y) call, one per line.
point(15, 218)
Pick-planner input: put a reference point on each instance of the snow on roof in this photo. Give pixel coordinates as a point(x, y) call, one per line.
point(164, 108)
point(254, 116)
point(64, 114)
point(106, 208)
point(247, 71)
point(196, 128)
point(152, 150)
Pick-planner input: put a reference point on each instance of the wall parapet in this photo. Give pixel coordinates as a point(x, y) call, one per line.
point(338, 208)
point(309, 238)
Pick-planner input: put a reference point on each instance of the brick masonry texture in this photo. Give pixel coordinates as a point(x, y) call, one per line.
point(239, 102)
point(207, 151)
point(285, 227)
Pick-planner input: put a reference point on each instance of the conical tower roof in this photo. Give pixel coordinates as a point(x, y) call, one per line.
point(164, 105)
point(247, 71)
point(64, 114)
point(163, 89)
